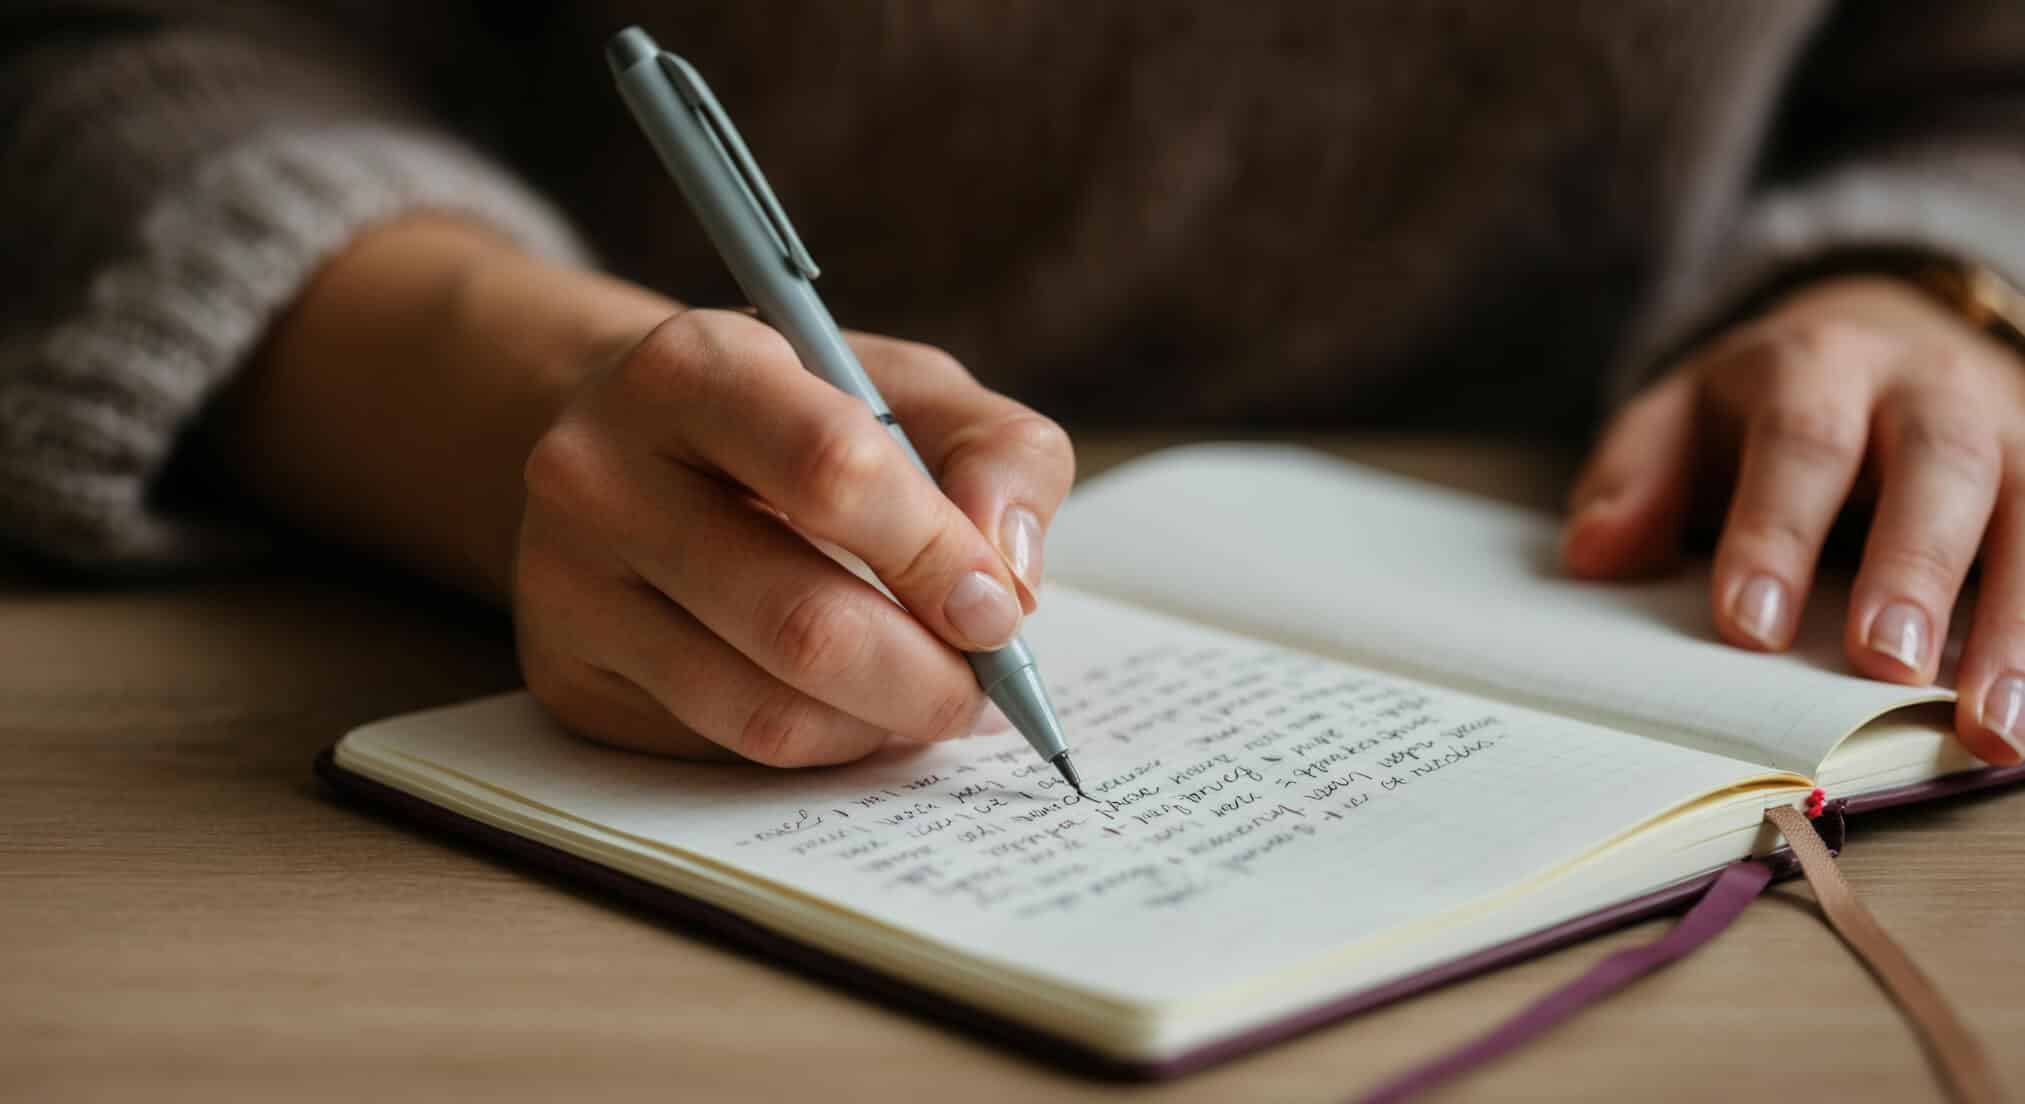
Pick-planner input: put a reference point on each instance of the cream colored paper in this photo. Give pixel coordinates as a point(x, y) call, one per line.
point(1289, 545)
point(1263, 812)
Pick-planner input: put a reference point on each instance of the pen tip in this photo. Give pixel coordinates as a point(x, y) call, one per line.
point(1069, 774)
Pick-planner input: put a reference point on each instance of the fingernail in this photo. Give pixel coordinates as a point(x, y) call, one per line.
point(982, 611)
point(1019, 537)
point(1759, 608)
point(1900, 631)
point(2003, 705)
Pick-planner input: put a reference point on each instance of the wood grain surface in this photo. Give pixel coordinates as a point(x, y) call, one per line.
point(186, 915)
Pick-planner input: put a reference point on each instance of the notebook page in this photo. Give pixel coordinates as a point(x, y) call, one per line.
point(1301, 548)
point(1257, 808)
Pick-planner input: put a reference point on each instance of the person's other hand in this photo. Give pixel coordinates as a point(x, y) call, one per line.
point(1856, 388)
point(665, 591)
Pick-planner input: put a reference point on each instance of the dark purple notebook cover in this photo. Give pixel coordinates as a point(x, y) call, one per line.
point(862, 981)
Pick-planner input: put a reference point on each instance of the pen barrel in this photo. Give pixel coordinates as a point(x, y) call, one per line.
point(1020, 694)
point(1009, 675)
point(760, 261)
point(731, 218)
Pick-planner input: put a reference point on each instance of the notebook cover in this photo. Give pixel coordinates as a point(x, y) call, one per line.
point(1951, 785)
point(862, 981)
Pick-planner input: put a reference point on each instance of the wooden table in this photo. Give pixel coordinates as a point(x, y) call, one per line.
point(186, 914)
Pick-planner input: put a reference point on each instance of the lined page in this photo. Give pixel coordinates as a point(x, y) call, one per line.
point(1295, 546)
point(1252, 808)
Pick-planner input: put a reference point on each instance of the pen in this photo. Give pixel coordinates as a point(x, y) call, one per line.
point(717, 175)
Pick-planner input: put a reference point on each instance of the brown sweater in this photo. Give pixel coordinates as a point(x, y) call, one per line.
point(1470, 213)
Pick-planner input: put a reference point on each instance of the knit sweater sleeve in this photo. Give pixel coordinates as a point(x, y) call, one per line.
point(1903, 128)
point(173, 181)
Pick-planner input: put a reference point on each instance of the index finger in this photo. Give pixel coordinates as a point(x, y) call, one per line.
point(1004, 465)
point(730, 393)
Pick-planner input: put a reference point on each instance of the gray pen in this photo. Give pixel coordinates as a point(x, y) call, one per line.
point(705, 155)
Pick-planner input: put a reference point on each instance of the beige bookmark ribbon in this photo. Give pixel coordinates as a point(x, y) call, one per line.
point(1957, 1056)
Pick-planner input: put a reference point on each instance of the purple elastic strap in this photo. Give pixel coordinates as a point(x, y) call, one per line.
point(1737, 886)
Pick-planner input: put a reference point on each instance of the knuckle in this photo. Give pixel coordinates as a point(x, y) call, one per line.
point(1817, 433)
point(753, 342)
point(1034, 443)
point(1770, 529)
point(708, 334)
point(1037, 434)
point(837, 467)
point(661, 364)
point(1927, 567)
point(566, 468)
point(730, 342)
point(701, 348)
point(942, 548)
point(1808, 343)
point(783, 730)
point(819, 636)
point(1957, 440)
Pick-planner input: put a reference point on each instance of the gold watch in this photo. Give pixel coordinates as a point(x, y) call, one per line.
point(1976, 294)
point(1983, 298)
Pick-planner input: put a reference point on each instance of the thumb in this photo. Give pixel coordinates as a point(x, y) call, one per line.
point(1626, 511)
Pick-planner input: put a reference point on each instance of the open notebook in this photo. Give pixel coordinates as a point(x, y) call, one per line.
point(1343, 732)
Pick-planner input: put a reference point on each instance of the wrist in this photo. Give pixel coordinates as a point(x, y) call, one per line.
point(1973, 294)
point(521, 336)
point(393, 406)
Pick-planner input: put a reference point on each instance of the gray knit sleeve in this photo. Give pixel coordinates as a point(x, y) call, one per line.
point(1904, 129)
point(171, 189)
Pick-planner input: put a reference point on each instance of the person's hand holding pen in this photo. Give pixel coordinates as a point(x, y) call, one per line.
point(637, 481)
point(663, 573)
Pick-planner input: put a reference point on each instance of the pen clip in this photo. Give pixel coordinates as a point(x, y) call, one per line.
point(725, 136)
